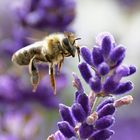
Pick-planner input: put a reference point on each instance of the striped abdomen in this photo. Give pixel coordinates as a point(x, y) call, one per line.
point(24, 55)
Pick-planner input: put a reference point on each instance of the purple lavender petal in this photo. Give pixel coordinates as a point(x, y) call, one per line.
point(78, 112)
point(116, 55)
point(85, 72)
point(106, 101)
point(119, 62)
point(100, 37)
point(66, 129)
point(76, 95)
point(97, 56)
point(104, 122)
point(107, 109)
point(122, 71)
point(106, 46)
point(84, 101)
point(132, 69)
point(123, 88)
point(86, 130)
point(86, 54)
point(95, 84)
point(102, 135)
point(66, 114)
point(110, 84)
point(103, 68)
point(59, 136)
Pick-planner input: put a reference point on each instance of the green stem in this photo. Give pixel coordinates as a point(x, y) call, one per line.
point(95, 103)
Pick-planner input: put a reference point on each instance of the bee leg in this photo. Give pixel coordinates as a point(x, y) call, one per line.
point(52, 78)
point(34, 73)
point(60, 65)
point(78, 52)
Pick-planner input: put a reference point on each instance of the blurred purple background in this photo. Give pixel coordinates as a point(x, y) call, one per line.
point(32, 116)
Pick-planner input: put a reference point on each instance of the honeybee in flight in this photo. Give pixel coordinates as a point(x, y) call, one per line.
point(52, 49)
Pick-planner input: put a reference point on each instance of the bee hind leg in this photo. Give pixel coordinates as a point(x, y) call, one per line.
point(60, 65)
point(34, 73)
point(52, 78)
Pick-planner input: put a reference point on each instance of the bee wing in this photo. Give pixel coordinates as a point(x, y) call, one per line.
point(35, 46)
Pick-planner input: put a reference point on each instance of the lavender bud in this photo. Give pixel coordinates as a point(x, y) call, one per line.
point(107, 109)
point(78, 112)
point(66, 129)
point(66, 114)
point(116, 55)
point(58, 136)
point(123, 88)
point(86, 54)
point(102, 135)
point(123, 101)
point(85, 72)
point(132, 69)
point(76, 95)
point(119, 62)
point(77, 83)
point(85, 130)
point(103, 68)
point(106, 101)
point(104, 122)
point(100, 37)
point(122, 71)
point(97, 56)
point(106, 46)
point(95, 84)
point(84, 101)
point(110, 84)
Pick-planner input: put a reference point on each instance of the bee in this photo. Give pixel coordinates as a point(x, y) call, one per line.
point(52, 50)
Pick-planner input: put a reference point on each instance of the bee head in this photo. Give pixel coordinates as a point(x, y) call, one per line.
point(69, 45)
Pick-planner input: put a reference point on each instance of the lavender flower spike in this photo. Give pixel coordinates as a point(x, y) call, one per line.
point(93, 120)
point(96, 125)
point(107, 57)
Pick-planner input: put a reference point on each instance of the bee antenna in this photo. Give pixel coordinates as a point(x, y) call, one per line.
point(75, 40)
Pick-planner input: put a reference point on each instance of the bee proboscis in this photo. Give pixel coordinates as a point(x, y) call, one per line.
point(52, 50)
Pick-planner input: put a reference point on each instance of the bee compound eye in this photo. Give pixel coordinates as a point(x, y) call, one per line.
point(66, 41)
